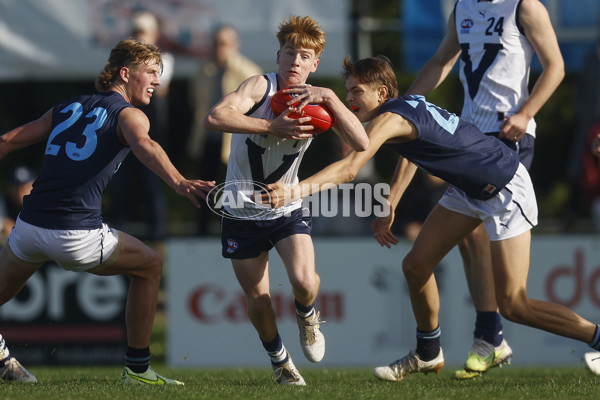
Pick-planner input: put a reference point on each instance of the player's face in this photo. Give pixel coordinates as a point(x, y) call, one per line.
point(363, 99)
point(143, 79)
point(295, 64)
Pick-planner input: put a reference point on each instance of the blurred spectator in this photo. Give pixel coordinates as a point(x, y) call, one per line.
point(583, 170)
point(589, 176)
point(135, 187)
point(18, 185)
point(216, 77)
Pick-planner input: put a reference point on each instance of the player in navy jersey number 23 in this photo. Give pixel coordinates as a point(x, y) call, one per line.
point(87, 137)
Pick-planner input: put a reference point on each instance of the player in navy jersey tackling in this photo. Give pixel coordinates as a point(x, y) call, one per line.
point(87, 138)
point(489, 184)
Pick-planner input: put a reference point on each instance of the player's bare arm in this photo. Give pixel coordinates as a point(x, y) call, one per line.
point(228, 115)
point(345, 125)
point(437, 68)
point(26, 135)
point(133, 128)
point(383, 128)
point(538, 29)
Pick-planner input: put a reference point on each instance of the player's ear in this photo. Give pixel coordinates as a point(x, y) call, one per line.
point(124, 74)
point(315, 65)
point(383, 93)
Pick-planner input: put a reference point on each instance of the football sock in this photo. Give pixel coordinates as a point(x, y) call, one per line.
point(428, 344)
point(276, 350)
point(304, 311)
point(595, 343)
point(4, 353)
point(137, 360)
point(488, 326)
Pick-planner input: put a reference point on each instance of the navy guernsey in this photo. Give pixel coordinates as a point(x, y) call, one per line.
point(82, 154)
point(453, 150)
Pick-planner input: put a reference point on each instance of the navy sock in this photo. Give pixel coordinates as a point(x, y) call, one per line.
point(595, 343)
point(137, 360)
point(488, 326)
point(302, 310)
point(276, 350)
point(428, 344)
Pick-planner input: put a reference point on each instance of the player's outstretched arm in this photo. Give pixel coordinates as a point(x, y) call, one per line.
point(384, 127)
point(134, 126)
point(26, 135)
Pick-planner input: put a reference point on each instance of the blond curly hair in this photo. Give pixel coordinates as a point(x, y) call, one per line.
point(127, 53)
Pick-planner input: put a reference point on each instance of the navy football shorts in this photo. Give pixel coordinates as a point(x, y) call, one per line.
point(245, 238)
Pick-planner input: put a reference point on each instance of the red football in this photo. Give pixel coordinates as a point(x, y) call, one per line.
point(322, 118)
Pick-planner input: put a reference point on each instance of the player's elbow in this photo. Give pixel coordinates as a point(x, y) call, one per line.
point(210, 121)
point(349, 173)
point(561, 72)
point(216, 117)
point(362, 144)
point(556, 71)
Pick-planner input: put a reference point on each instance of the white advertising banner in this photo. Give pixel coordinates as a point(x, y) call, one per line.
point(364, 299)
point(71, 39)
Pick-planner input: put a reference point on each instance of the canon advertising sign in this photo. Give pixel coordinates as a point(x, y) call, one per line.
point(364, 300)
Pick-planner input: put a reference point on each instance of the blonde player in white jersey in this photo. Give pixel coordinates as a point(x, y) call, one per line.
point(267, 149)
point(495, 41)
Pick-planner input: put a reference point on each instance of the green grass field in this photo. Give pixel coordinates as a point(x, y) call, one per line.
point(90, 383)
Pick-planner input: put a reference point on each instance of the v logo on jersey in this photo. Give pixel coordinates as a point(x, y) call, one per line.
point(474, 77)
point(255, 153)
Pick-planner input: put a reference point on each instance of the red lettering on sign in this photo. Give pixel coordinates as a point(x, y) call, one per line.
point(566, 272)
point(211, 304)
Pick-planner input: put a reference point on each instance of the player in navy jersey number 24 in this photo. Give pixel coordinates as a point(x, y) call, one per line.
point(488, 183)
point(87, 138)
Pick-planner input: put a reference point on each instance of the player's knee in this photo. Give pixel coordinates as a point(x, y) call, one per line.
point(306, 287)
point(153, 265)
point(412, 269)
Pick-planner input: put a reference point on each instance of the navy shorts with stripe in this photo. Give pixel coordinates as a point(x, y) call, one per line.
point(244, 238)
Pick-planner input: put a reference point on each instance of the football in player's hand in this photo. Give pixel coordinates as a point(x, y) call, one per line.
point(321, 116)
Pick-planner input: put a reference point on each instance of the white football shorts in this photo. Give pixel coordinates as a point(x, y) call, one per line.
point(508, 214)
point(73, 250)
